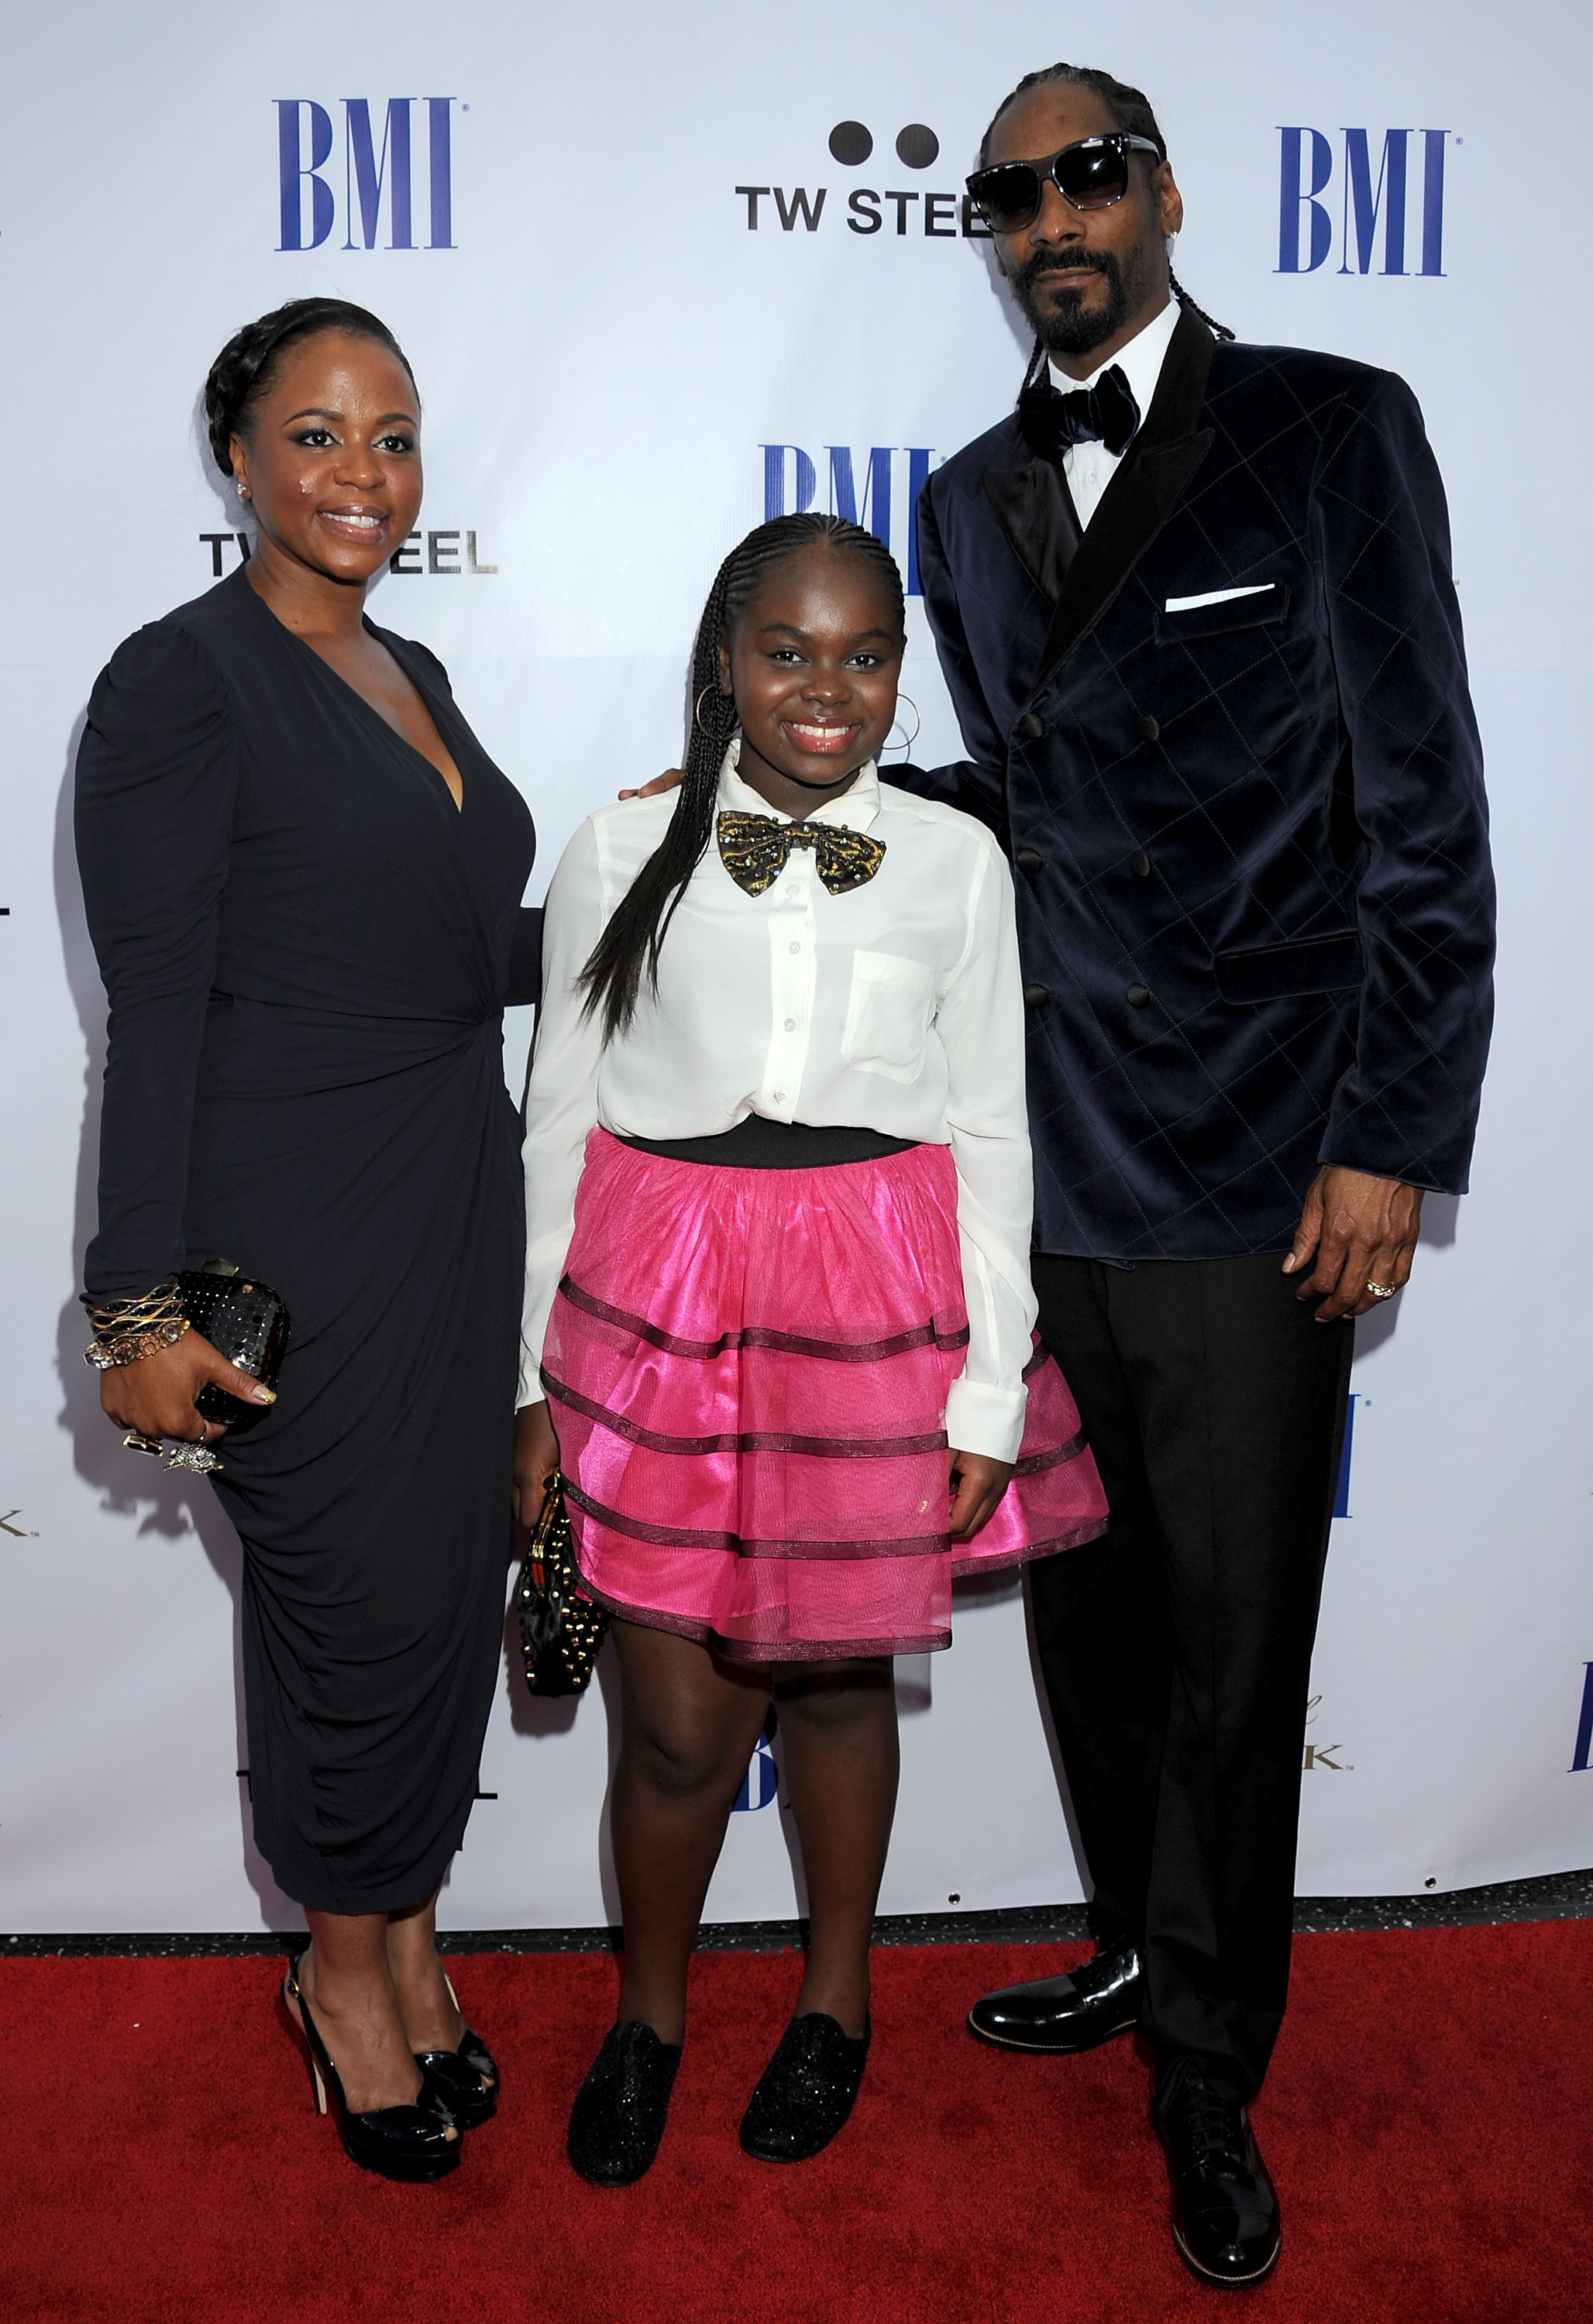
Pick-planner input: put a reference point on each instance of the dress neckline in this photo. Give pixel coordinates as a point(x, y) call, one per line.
point(387, 639)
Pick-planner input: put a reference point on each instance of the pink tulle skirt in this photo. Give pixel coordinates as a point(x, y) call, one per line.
point(748, 1372)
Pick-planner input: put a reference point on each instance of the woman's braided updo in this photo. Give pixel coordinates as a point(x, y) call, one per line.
point(244, 370)
point(1131, 110)
point(629, 945)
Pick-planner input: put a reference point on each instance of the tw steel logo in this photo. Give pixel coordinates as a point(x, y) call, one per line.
point(892, 211)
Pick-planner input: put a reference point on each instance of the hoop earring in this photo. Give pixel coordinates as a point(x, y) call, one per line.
point(917, 723)
point(697, 714)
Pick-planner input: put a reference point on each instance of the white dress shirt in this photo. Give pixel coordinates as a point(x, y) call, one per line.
point(1089, 468)
point(897, 1006)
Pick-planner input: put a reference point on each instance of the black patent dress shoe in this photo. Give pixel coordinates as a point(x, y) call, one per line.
point(465, 2079)
point(806, 2091)
point(1226, 2220)
point(620, 2109)
point(1060, 2016)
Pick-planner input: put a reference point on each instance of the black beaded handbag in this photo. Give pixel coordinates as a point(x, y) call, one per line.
point(560, 1628)
point(243, 1321)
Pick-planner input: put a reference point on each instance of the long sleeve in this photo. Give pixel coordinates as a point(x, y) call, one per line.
point(1407, 1106)
point(156, 784)
point(978, 785)
point(980, 1023)
point(562, 1099)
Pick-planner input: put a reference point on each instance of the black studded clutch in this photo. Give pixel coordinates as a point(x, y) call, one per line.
point(246, 1321)
point(560, 1628)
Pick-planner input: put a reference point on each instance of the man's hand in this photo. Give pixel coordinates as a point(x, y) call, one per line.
point(536, 1456)
point(664, 782)
point(156, 1395)
point(980, 1483)
point(1362, 1231)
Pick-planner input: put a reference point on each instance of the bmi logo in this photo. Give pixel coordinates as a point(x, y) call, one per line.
point(762, 1780)
point(1583, 1752)
point(1392, 209)
point(866, 491)
point(386, 176)
point(1341, 1497)
point(899, 210)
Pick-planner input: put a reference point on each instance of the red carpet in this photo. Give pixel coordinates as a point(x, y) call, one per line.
point(1427, 2120)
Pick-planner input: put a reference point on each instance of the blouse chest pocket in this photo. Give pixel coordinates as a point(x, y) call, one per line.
point(888, 1016)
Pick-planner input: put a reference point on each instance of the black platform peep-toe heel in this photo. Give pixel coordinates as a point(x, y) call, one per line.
point(415, 2143)
point(466, 2078)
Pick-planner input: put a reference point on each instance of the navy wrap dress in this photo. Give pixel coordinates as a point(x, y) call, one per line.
point(308, 949)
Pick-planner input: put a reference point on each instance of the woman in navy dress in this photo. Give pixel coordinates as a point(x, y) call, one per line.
point(304, 878)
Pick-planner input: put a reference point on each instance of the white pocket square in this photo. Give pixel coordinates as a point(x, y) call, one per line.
point(1215, 597)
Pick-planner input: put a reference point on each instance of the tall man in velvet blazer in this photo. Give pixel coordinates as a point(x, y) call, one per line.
point(1193, 602)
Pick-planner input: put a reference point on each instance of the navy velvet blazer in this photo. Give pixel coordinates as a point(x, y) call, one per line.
point(1255, 903)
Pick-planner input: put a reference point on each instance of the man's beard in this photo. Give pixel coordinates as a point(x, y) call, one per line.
point(1066, 328)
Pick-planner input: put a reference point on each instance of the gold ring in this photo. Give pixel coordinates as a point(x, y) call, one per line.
point(1383, 1290)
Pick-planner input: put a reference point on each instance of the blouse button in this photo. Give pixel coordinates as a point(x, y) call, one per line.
point(791, 1024)
point(796, 947)
point(780, 1097)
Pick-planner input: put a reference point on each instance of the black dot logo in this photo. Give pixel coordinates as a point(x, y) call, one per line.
point(850, 144)
point(916, 147)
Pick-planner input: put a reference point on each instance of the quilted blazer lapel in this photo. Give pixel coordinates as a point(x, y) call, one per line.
point(1036, 509)
point(1160, 460)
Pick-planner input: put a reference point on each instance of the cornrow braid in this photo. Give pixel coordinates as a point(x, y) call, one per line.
point(1131, 110)
point(629, 944)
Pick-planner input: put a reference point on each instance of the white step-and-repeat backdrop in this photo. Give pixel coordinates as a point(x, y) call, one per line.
point(662, 271)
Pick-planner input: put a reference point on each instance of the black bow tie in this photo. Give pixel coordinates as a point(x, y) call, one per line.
point(1106, 413)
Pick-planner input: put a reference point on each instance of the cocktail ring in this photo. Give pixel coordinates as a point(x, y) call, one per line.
point(195, 1456)
point(1383, 1290)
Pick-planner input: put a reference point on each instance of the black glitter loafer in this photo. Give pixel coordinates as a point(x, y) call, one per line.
point(807, 2090)
point(620, 2109)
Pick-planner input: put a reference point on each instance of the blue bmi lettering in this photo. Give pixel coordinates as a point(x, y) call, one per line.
point(373, 175)
point(1360, 199)
point(364, 173)
point(1584, 1747)
point(790, 485)
point(1341, 1498)
point(293, 170)
point(760, 1781)
point(843, 489)
point(1305, 222)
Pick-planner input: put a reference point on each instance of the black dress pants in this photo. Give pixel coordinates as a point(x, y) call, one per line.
point(1176, 1649)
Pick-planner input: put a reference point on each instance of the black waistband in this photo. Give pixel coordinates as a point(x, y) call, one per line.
point(757, 1144)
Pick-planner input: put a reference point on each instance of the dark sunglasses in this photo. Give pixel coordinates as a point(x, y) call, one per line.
point(1092, 173)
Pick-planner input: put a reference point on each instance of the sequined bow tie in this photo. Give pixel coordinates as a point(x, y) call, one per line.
point(755, 849)
point(1106, 413)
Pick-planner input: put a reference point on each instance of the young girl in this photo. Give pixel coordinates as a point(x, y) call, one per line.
point(777, 1293)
